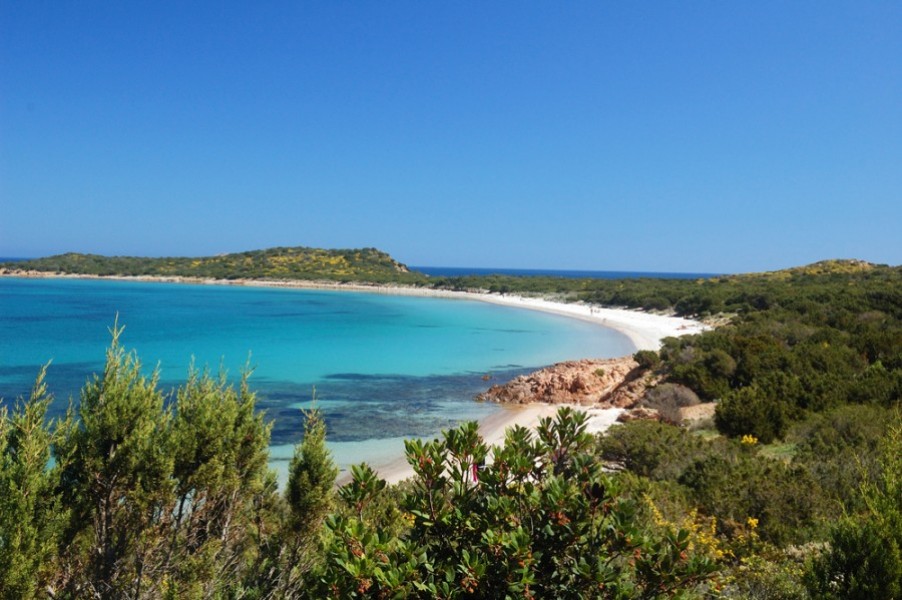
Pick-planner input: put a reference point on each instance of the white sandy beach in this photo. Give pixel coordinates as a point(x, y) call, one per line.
point(645, 330)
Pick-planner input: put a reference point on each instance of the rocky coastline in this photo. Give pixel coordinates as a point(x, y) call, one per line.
point(597, 383)
point(601, 384)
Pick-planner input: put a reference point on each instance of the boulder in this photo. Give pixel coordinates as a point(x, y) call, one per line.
point(616, 382)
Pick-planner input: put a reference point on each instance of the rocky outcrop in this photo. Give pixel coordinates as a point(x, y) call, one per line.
point(614, 382)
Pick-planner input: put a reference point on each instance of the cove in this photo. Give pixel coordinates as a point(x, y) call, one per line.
point(384, 367)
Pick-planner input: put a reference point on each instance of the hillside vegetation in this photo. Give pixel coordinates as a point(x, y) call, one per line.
point(699, 297)
point(364, 265)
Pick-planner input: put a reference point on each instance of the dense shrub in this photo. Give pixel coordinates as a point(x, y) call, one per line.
point(668, 399)
point(650, 449)
point(543, 521)
point(723, 478)
point(647, 359)
point(748, 411)
point(736, 486)
point(864, 557)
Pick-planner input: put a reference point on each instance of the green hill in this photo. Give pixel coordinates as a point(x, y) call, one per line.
point(298, 263)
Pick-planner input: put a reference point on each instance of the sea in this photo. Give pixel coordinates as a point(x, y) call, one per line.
point(567, 274)
point(382, 368)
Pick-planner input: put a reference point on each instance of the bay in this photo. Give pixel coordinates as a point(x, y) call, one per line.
point(384, 367)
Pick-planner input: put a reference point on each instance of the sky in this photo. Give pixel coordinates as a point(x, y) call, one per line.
point(714, 137)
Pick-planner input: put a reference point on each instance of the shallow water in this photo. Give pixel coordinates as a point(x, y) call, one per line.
point(384, 367)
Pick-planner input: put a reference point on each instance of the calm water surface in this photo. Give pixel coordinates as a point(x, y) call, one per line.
point(384, 367)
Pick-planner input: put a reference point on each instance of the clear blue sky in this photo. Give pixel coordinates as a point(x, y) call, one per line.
point(657, 136)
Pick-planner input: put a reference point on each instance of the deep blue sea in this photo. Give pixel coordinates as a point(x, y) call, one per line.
point(384, 367)
point(568, 274)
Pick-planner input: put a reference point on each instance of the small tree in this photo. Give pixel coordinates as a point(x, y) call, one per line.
point(311, 477)
point(220, 450)
point(31, 517)
point(309, 497)
point(116, 475)
point(748, 410)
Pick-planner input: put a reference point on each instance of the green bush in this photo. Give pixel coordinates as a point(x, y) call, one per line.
point(651, 449)
point(737, 485)
point(647, 359)
point(864, 556)
point(541, 521)
point(747, 411)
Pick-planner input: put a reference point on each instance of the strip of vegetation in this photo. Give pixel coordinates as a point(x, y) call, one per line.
point(358, 265)
point(798, 288)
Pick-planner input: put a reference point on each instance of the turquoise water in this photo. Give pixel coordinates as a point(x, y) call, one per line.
point(383, 366)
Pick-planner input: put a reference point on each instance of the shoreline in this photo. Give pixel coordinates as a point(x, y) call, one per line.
point(644, 330)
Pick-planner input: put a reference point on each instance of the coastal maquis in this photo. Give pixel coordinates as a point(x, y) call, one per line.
point(792, 490)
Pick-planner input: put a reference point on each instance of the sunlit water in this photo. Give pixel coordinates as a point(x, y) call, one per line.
point(384, 367)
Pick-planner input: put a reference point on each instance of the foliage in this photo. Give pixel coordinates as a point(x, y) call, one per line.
point(294, 552)
point(311, 477)
point(223, 489)
point(647, 359)
point(864, 559)
point(359, 265)
point(159, 501)
point(31, 517)
point(840, 451)
point(768, 575)
point(722, 478)
point(741, 484)
point(116, 478)
point(748, 411)
point(651, 449)
point(542, 520)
